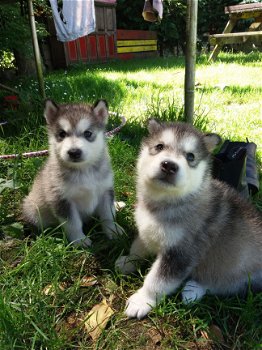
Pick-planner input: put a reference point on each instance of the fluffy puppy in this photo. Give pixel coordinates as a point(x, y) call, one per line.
point(204, 235)
point(76, 182)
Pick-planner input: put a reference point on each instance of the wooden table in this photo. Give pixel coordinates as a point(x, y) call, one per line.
point(237, 12)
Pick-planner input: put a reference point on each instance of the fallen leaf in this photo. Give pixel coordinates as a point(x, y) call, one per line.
point(72, 320)
point(69, 325)
point(216, 334)
point(9, 243)
point(50, 289)
point(119, 205)
point(88, 281)
point(155, 336)
point(127, 193)
point(16, 262)
point(213, 334)
point(204, 335)
point(97, 319)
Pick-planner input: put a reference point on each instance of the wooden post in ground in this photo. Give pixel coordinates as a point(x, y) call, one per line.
point(36, 50)
point(190, 59)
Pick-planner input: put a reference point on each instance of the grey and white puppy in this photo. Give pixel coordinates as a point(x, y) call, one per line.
point(77, 180)
point(203, 233)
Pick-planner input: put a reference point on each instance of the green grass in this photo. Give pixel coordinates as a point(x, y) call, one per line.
point(228, 101)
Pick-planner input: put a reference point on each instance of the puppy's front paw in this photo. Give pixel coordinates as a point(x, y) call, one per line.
point(84, 243)
point(113, 230)
point(118, 231)
point(125, 264)
point(192, 291)
point(139, 305)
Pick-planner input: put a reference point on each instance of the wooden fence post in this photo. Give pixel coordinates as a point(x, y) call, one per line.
point(190, 59)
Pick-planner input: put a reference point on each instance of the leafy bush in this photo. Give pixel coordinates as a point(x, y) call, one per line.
point(15, 30)
point(15, 33)
point(6, 59)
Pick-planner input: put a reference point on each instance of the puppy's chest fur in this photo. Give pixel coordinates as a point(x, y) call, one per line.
point(160, 228)
point(84, 190)
point(84, 187)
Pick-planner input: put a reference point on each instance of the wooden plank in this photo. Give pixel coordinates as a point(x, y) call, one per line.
point(235, 39)
point(243, 8)
point(109, 17)
point(100, 20)
point(224, 41)
point(101, 46)
point(246, 15)
point(83, 48)
point(240, 34)
point(135, 42)
point(111, 46)
point(137, 49)
point(131, 55)
point(228, 28)
point(72, 50)
point(255, 25)
point(92, 48)
point(123, 34)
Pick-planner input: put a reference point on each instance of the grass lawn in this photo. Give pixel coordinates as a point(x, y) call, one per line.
point(48, 288)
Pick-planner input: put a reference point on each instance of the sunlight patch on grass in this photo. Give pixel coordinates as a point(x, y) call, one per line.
point(230, 75)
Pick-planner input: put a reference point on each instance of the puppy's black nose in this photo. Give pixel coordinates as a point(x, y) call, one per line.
point(169, 167)
point(75, 153)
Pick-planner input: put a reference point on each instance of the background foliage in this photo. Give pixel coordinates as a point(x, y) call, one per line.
point(171, 30)
point(15, 35)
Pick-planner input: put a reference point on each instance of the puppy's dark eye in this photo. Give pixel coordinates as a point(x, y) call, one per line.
point(62, 134)
point(190, 157)
point(159, 147)
point(87, 134)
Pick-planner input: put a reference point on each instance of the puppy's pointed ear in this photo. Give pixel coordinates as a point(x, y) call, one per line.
point(211, 141)
point(153, 126)
point(50, 111)
point(100, 109)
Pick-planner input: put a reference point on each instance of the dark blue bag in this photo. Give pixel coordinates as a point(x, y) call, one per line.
point(235, 164)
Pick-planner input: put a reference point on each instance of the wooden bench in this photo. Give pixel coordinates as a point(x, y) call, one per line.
point(237, 12)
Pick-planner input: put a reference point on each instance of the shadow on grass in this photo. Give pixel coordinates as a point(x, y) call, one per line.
point(252, 58)
point(28, 118)
point(242, 58)
point(134, 65)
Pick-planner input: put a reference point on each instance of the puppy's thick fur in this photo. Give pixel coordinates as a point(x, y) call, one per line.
point(203, 233)
point(77, 180)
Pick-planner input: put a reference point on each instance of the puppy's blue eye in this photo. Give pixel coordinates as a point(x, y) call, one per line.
point(159, 147)
point(62, 134)
point(190, 157)
point(87, 134)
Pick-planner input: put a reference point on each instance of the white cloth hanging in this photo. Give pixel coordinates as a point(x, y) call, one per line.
point(75, 19)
